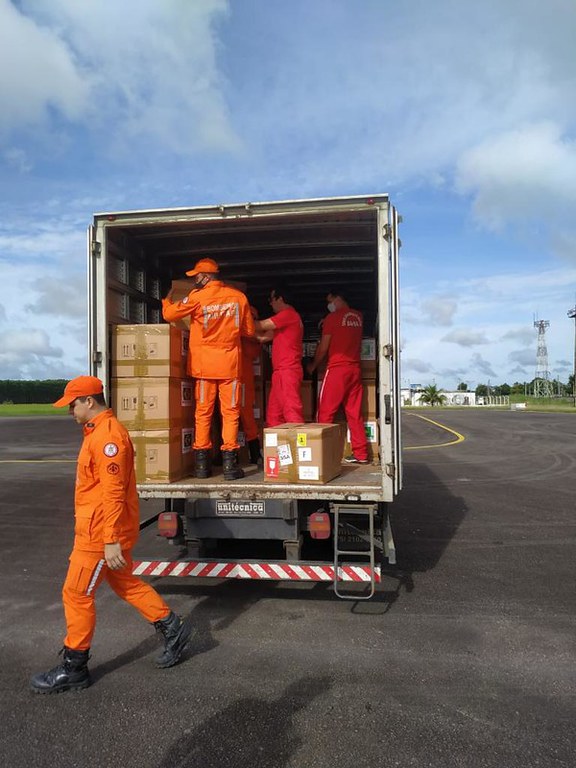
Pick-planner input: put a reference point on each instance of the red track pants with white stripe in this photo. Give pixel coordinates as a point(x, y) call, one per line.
point(86, 572)
point(342, 385)
point(284, 402)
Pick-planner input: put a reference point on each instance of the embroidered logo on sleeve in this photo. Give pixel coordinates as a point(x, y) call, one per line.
point(110, 450)
point(113, 468)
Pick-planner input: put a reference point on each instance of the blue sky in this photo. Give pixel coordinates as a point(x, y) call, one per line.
point(464, 112)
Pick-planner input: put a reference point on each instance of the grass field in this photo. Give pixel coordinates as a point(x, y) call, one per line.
point(31, 409)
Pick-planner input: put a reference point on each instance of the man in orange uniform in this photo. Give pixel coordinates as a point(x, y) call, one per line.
point(251, 349)
point(219, 317)
point(106, 529)
point(342, 385)
point(286, 331)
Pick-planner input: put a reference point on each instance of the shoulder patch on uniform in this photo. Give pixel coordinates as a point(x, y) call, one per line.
point(110, 450)
point(113, 468)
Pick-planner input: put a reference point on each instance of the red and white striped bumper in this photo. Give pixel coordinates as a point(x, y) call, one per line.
point(271, 571)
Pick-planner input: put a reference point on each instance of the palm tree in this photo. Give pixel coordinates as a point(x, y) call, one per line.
point(431, 395)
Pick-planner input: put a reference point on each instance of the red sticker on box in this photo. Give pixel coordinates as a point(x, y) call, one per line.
point(272, 466)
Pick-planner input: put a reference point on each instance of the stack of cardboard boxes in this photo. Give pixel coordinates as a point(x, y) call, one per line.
point(154, 399)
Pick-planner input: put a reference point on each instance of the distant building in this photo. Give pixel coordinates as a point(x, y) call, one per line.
point(412, 397)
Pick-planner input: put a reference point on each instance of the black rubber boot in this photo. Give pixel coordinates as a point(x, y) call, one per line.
point(72, 674)
point(176, 633)
point(202, 469)
point(255, 452)
point(230, 468)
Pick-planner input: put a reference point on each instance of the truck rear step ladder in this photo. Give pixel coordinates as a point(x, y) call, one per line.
point(342, 526)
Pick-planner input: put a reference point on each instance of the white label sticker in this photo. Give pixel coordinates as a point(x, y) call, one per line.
point(304, 454)
point(186, 393)
point(284, 455)
point(309, 473)
point(271, 439)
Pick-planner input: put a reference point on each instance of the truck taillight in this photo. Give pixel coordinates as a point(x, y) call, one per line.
point(168, 524)
point(319, 525)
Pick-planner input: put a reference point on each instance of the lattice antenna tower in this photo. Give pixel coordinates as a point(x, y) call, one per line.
point(542, 383)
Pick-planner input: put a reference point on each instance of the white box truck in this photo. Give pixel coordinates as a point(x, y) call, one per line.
point(339, 531)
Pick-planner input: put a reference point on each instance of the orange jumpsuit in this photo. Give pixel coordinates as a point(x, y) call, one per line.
point(106, 512)
point(219, 317)
point(250, 351)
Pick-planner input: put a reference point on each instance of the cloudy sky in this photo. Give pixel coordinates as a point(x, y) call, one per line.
point(464, 112)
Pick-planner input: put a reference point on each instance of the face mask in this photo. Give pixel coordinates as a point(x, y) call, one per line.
point(200, 283)
point(331, 307)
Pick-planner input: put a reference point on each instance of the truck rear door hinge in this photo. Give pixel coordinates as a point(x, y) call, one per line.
point(391, 470)
point(386, 231)
point(96, 249)
point(388, 351)
point(96, 356)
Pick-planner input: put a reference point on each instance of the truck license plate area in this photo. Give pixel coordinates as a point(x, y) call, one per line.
point(241, 508)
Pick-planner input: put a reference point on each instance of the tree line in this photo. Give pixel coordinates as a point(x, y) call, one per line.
point(36, 391)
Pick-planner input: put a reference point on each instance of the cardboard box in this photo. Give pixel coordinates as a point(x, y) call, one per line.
point(369, 400)
point(153, 403)
point(302, 453)
point(368, 358)
point(149, 350)
point(163, 456)
point(372, 433)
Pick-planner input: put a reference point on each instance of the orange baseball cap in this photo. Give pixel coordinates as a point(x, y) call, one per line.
point(204, 265)
point(81, 386)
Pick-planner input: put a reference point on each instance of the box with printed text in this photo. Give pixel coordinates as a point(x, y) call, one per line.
point(302, 453)
point(153, 403)
point(163, 456)
point(149, 350)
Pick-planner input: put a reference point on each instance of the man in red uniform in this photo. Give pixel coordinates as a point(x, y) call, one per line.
point(342, 384)
point(106, 529)
point(285, 330)
point(219, 317)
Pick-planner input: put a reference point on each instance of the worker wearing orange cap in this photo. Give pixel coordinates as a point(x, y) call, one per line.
point(106, 529)
point(219, 317)
point(251, 349)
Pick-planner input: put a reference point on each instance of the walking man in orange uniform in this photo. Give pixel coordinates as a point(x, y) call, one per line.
point(106, 529)
point(219, 317)
point(341, 341)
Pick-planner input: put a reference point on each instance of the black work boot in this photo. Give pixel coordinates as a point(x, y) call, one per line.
point(230, 468)
point(255, 452)
point(202, 469)
point(176, 633)
point(71, 674)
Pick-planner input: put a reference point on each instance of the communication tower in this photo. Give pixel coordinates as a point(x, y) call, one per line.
point(542, 383)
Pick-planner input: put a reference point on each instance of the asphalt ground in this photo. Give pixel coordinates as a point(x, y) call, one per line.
point(466, 657)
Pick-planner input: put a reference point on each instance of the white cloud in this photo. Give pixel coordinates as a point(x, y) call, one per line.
point(466, 338)
point(481, 365)
point(438, 310)
point(516, 172)
point(525, 357)
point(62, 296)
point(143, 70)
point(37, 72)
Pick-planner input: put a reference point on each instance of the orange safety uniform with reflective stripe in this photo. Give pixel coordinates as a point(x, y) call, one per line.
point(250, 351)
point(106, 512)
point(219, 317)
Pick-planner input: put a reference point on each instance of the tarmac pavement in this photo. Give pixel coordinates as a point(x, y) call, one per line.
point(465, 658)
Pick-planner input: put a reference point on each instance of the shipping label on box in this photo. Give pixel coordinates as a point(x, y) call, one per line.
point(153, 403)
point(149, 350)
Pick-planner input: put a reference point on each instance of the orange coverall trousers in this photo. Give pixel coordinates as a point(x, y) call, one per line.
point(86, 572)
point(247, 404)
point(228, 394)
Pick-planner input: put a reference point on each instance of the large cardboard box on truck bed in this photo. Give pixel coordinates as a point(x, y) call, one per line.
point(163, 456)
point(153, 403)
point(149, 350)
point(302, 453)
